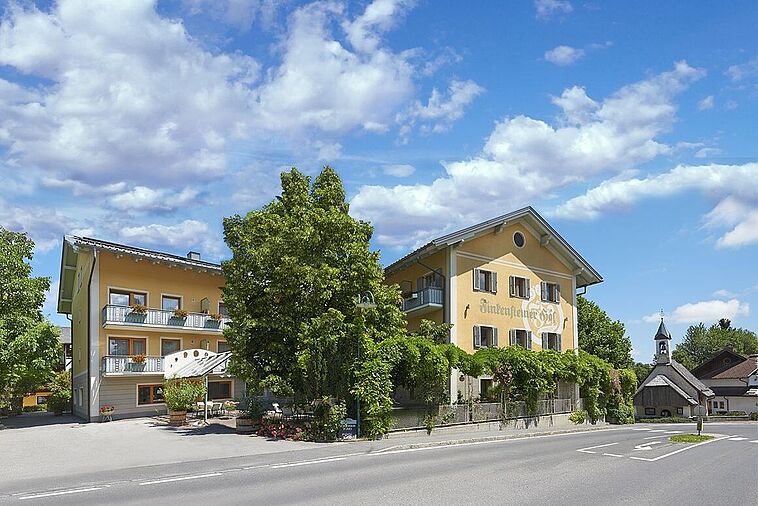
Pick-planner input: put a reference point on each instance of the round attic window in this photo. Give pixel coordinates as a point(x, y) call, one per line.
point(519, 240)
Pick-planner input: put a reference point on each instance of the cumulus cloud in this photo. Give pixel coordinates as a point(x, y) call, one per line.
point(144, 199)
point(185, 235)
point(547, 8)
point(564, 55)
point(706, 103)
point(706, 311)
point(442, 109)
point(743, 71)
point(530, 157)
point(399, 170)
point(736, 185)
point(44, 225)
point(78, 188)
point(707, 152)
point(241, 14)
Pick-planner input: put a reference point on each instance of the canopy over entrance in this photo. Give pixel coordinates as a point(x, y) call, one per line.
point(196, 363)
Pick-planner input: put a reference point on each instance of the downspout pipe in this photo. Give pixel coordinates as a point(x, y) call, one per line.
point(89, 332)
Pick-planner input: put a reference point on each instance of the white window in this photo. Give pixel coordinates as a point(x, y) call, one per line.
point(551, 341)
point(169, 303)
point(222, 346)
point(485, 336)
point(551, 292)
point(519, 287)
point(520, 337)
point(485, 281)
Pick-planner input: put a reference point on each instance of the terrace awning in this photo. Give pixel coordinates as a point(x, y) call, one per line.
point(195, 363)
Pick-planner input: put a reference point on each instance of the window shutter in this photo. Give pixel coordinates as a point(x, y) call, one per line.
point(543, 291)
point(558, 344)
point(477, 336)
point(512, 286)
point(528, 293)
point(476, 279)
point(528, 339)
point(494, 282)
point(512, 337)
point(494, 337)
point(545, 340)
point(557, 292)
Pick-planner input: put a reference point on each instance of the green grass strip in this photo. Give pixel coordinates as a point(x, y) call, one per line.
point(690, 438)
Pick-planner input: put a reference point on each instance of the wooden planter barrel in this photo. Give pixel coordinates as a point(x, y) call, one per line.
point(245, 425)
point(177, 418)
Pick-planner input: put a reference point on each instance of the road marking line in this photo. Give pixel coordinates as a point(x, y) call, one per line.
point(322, 461)
point(612, 455)
point(585, 450)
point(756, 441)
point(680, 450)
point(657, 430)
point(640, 429)
point(737, 438)
point(673, 432)
point(181, 478)
point(654, 437)
point(63, 492)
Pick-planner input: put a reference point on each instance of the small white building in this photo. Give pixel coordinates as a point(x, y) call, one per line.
point(734, 381)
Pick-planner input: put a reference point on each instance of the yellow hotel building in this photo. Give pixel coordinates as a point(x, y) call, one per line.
point(100, 284)
point(509, 281)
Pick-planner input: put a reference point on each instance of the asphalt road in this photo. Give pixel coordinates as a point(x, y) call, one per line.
point(633, 465)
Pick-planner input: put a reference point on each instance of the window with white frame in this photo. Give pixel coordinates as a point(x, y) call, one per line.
point(485, 336)
point(551, 341)
point(519, 287)
point(551, 292)
point(485, 281)
point(521, 337)
point(429, 280)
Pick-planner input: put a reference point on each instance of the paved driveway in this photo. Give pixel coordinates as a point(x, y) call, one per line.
point(32, 449)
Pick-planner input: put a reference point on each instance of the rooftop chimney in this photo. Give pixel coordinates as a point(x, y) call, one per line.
point(193, 255)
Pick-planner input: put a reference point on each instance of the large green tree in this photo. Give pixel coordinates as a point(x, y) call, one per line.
point(700, 343)
point(297, 268)
point(29, 345)
point(602, 336)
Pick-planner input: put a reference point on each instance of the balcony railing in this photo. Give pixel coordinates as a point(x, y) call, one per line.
point(124, 364)
point(123, 315)
point(429, 298)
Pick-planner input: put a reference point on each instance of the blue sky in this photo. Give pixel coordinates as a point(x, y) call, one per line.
point(630, 126)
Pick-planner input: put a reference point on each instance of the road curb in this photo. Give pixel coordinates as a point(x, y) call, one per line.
point(452, 442)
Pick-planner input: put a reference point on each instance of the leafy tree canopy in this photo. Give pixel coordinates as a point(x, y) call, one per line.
point(297, 267)
point(701, 343)
point(601, 336)
point(29, 346)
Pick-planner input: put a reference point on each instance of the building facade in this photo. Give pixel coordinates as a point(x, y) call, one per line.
point(129, 308)
point(509, 281)
point(733, 379)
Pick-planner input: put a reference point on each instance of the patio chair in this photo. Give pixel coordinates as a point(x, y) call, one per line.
point(216, 408)
point(278, 413)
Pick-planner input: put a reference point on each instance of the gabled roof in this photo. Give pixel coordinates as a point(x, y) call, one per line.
point(662, 381)
point(586, 276)
point(692, 380)
point(741, 370)
point(723, 360)
point(73, 244)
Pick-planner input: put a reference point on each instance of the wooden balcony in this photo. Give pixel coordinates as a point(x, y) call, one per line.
point(124, 316)
point(424, 301)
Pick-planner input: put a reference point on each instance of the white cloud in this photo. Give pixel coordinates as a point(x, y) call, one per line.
point(723, 293)
point(743, 71)
point(241, 14)
point(546, 8)
point(441, 110)
point(706, 103)
point(364, 33)
point(706, 311)
point(185, 235)
point(564, 55)
point(144, 199)
point(736, 185)
point(77, 188)
point(44, 225)
point(399, 170)
point(707, 152)
point(532, 158)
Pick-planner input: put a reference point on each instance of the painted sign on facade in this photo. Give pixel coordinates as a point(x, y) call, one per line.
point(535, 315)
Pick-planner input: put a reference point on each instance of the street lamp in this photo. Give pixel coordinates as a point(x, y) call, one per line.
point(365, 301)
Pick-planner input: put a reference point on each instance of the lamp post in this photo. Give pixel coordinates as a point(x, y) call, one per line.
point(365, 301)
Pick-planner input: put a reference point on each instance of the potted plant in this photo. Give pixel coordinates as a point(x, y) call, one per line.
point(138, 309)
point(180, 313)
point(215, 316)
point(180, 395)
point(106, 412)
point(249, 419)
point(137, 363)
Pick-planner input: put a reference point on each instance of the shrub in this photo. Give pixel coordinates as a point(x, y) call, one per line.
point(181, 394)
point(578, 417)
point(327, 420)
point(60, 393)
point(754, 415)
point(736, 413)
point(621, 413)
point(667, 419)
point(36, 407)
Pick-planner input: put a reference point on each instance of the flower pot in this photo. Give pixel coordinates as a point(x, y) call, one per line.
point(245, 425)
point(177, 418)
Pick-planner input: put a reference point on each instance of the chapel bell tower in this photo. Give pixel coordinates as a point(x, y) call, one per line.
point(662, 344)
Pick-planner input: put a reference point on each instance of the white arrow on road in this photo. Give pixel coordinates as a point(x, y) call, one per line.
point(646, 446)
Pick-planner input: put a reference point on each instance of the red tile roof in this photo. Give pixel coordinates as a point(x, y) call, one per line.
point(741, 370)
